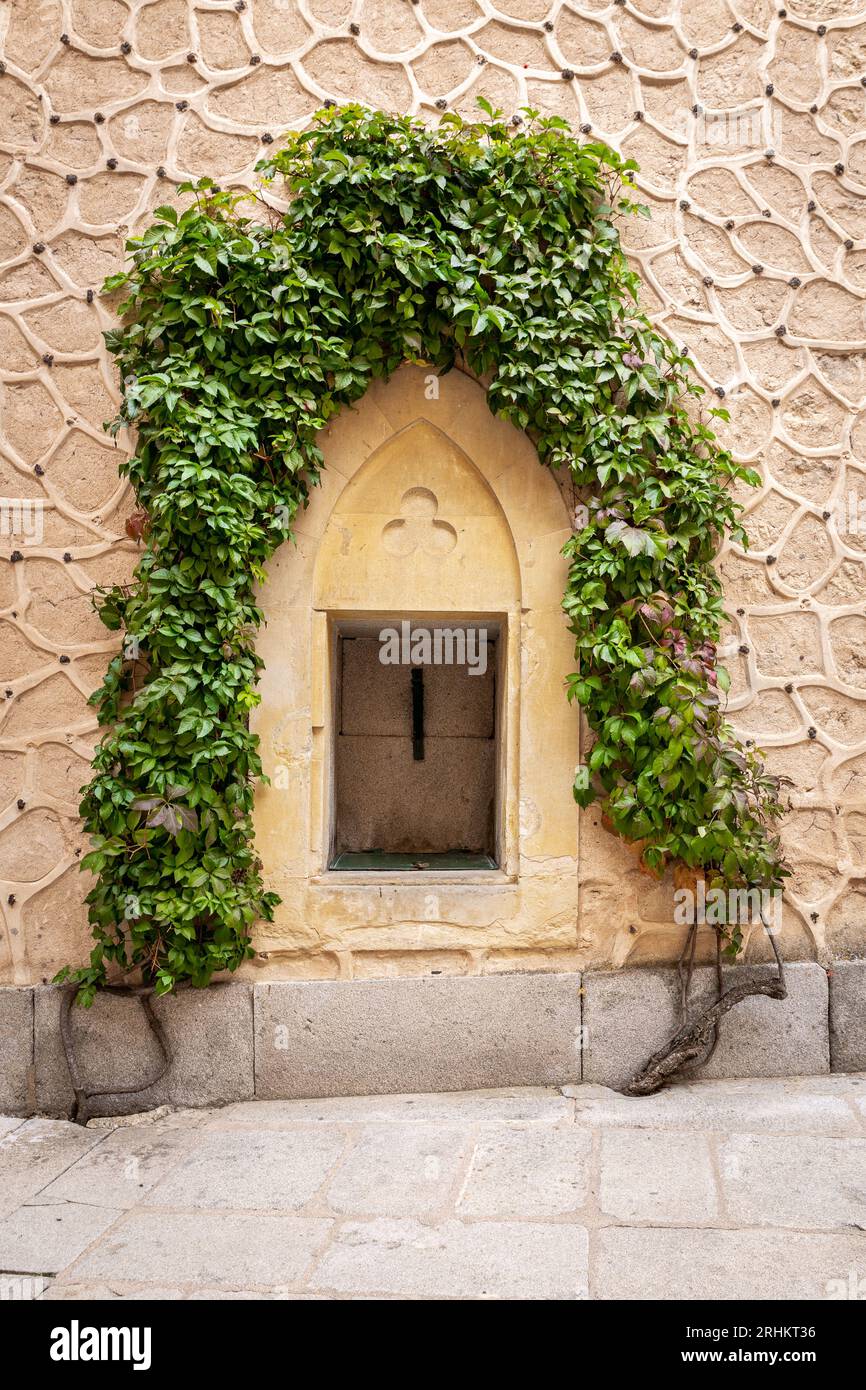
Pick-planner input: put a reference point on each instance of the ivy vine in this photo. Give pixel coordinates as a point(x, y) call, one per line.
point(491, 245)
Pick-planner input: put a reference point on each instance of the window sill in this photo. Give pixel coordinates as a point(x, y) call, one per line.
point(412, 878)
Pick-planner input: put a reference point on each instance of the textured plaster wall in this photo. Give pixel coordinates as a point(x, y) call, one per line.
point(749, 122)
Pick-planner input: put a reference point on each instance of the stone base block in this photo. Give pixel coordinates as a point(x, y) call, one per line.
point(210, 1033)
point(629, 1014)
point(16, 1052)
point(459, 1033)
point(848, 1015)
point(308, 1039)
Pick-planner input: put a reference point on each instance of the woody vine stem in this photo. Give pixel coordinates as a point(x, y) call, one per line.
point(244, 329)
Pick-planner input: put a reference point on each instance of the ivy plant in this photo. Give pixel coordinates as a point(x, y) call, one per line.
point(491, 245)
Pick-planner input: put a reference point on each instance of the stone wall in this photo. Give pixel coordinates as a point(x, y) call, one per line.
point(288, 1039)
point(749, 123)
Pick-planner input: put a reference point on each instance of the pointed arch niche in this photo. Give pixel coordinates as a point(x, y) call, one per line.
point(433, 511)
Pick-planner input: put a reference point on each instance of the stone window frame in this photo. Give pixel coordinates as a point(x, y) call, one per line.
point(326, 675)
point(531, 902)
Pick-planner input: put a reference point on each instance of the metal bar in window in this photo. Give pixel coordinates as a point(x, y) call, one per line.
point(418, 714)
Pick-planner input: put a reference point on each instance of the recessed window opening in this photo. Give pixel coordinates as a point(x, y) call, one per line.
point(416, 745)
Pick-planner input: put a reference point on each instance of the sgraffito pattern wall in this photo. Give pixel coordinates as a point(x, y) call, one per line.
point(749, 123)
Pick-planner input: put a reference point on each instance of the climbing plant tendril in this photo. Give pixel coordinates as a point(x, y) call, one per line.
point(491, 246)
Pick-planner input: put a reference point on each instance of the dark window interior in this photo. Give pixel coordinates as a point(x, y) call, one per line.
point(415, 759)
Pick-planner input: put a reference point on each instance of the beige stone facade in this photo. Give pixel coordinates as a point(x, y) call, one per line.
point(749, 123)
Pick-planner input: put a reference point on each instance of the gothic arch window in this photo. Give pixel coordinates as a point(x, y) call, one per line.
point(436, 515)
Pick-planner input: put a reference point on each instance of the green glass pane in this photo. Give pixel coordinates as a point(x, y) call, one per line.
point(379, 861)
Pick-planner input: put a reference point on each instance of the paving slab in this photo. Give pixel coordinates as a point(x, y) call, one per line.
point(488, 1259)
point(34, 1153)
point(791, 1107)
point(121, 1168)
point(648, 1263)
point(539, 1172)
point(222, 1249)
point(799, 1181)
point(836, 1084)
point(398, 1170)
point(270, 1170)
point(372, 1037)
point(529, 1105)
point(161, 1119)
point(45, 1238)
point(658, 1177)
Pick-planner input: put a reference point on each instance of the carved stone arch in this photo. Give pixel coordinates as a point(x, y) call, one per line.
point(428, 505)
point(393, 543)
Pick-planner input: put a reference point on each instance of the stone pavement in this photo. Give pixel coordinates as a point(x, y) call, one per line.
point(712, 1190)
